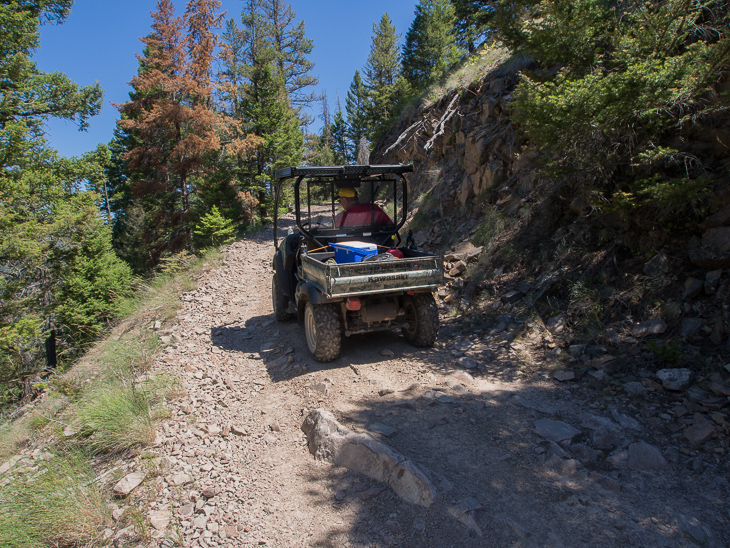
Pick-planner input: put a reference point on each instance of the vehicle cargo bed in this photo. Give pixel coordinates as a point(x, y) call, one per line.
point(417, 272)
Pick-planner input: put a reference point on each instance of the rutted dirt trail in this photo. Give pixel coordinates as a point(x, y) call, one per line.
point(240, 474)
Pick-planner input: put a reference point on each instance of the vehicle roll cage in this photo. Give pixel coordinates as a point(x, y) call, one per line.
point(341, 177)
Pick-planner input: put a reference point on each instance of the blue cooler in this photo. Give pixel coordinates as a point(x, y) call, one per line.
point(353, 252)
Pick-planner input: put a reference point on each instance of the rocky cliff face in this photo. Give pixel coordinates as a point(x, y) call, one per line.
point(520, 241)
point(462, 146)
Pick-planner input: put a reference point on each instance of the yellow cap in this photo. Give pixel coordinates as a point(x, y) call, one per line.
point(347, 193)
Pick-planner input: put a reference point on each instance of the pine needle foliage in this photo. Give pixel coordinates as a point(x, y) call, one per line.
point(384, 84)
point(430, 49)
point(214, 229)
point(622, 91)
point(356, 120)
point(57, 270)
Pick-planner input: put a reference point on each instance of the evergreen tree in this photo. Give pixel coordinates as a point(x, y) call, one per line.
point(171, 118)
point(474, 22)
point(214, 229)
point(430, 49)
point(356, 109)
point(312, 156)
point(51, 234)
point(202, 19)
point(340, 145)
point(129, 223)
point(292, 48)
point(27, 95)
point(382, 77)
point(264, 105)
point(97, 179)
point(326, 118)
point(325, 146)
point(230, 188)
point(636, 89)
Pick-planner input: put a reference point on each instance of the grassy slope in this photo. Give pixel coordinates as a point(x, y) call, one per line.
point(106, 405)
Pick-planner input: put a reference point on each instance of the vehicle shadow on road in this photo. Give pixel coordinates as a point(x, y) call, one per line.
point(282, 347)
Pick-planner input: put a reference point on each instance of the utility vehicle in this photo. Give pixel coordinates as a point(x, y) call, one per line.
point(343, 275)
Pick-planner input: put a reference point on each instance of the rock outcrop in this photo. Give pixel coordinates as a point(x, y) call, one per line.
point(479, 186)
point(329, 440)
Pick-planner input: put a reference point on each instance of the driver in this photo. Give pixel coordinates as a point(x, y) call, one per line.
point(357, 214)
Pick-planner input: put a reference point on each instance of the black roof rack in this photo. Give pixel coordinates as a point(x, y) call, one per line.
point(334, 171)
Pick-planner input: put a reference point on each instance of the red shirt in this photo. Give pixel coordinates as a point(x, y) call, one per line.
point(363, 215)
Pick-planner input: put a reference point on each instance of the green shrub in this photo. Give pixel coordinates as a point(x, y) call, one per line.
point(675, 203)
point(94, 282)
point(666, 352)
point(618, 86)
point(214, 229)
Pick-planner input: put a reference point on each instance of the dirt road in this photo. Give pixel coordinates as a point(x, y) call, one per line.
point(240, 473)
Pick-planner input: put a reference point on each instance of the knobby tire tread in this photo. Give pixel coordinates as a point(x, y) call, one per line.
point(427, 321)
point(278, 301)
point(329, 331)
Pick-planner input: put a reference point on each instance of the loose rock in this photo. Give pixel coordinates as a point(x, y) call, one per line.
point(701, 431)
point(635, 389)
point(556, 431)
point(651, 327)
point(675, 380)
point(129, 483)
point(564, 375)
point(644, 456)
point(467, 363)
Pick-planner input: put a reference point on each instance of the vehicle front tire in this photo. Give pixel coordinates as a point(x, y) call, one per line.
point(279, 301)
point(423, 319)
point(323, 330)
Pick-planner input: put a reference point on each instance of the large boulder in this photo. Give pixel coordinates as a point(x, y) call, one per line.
point(329, 440)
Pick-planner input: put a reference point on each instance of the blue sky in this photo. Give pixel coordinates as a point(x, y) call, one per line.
point(99, 40)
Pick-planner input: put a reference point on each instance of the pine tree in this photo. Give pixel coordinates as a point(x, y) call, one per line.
point(382, 76)
point(214, 229)
point(326, 117)
point(430, 49)
point(630, 99)
point(28, 97)
point(51, 233)
point(356, 109)
point(325, 146)
point(292, 48)
point(340, 145)
point(171, 117)
point(202, 19)
point(97, 179)
point(474, 22)
point(264, 106)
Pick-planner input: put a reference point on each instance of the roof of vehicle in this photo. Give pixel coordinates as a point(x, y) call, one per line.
point(334, 171)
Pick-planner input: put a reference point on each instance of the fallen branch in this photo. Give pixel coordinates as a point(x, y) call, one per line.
point(403, 135)
point(441, 126)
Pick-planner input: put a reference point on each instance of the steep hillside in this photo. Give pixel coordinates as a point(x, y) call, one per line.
point(652, 292)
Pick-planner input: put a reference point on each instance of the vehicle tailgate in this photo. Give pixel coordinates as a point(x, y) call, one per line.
point(368, 277)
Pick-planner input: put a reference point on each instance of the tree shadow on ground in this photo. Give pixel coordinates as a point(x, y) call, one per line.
point(480, 436)
point(532, 492)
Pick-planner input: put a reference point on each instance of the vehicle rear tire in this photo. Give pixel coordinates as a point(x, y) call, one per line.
point(423, 319)
point(279, 301)
point(323, 330)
